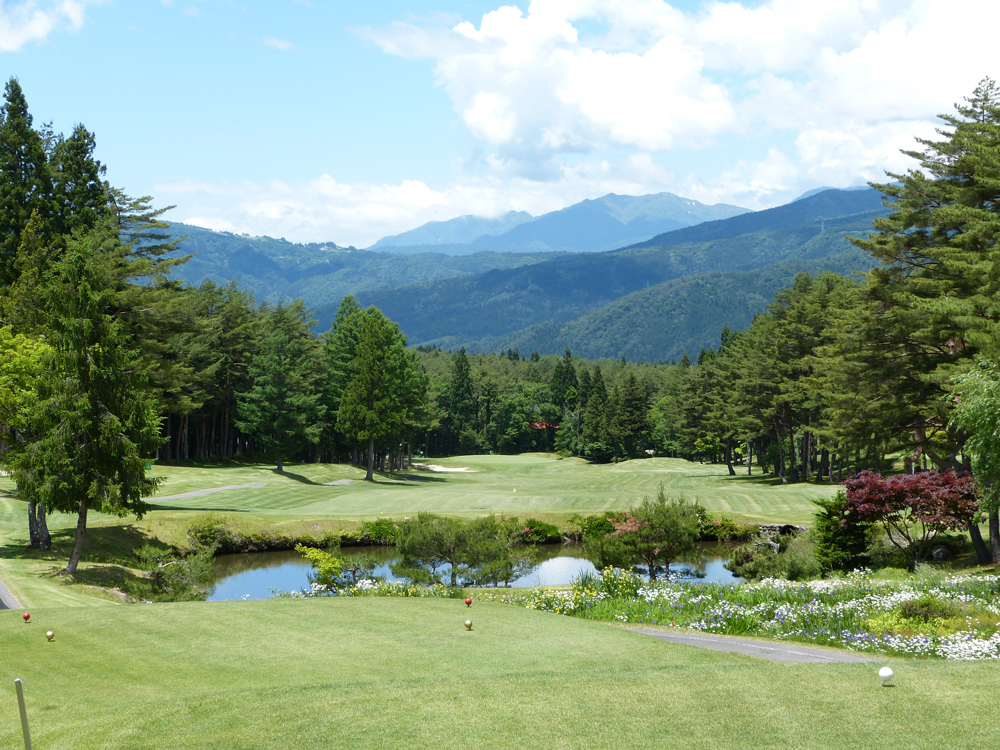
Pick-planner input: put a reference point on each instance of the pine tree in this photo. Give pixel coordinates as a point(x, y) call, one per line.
point(564, 385)
point(25, 183)
point(96, 418)
point(381, 390)
point(284, 405)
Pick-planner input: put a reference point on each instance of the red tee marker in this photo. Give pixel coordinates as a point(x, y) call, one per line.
point(26, 616)
point(468, 602)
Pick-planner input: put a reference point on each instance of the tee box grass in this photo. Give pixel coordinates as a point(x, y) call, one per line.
point(404, 673)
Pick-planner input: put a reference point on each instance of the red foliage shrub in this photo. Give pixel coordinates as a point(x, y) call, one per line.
point(913, 508)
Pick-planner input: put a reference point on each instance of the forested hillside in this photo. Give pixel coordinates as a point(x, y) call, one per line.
point(665, 321)
point(476, 310)
point(319, 273)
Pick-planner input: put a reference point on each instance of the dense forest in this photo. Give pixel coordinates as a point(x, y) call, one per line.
point(108, 359)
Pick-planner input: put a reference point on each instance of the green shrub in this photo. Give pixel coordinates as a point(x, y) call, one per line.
point(171, 577)
point(841, 544)
point(539, 532)
point(381, 531)
point(795, 561)
point(715, 527)
point(928, 608)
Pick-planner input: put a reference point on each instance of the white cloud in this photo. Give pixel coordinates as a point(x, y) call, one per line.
point(358, 214)
point(21, 23)
point(571, 99)
point(282, 44)
point(591, 75)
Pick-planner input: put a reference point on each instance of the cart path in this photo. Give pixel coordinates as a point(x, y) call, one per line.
point(783, 651)
point(7, 599)
point(198, 493)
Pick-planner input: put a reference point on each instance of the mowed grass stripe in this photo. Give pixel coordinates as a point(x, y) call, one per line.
point(542, 484)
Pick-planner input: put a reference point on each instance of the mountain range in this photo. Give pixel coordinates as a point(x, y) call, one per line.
point(604, 223)
point(653, 300)
point(534, 304)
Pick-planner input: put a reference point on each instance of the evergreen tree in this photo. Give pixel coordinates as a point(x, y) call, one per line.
point(284, 404)
point(96, 419)
point(380, 392)
point(564, 385)
point(25, 183)
point(80, 197)
point(461, 407)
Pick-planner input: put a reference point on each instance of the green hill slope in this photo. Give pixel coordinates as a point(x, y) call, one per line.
point(663, 322)
point(476, 310)
point(320, 273)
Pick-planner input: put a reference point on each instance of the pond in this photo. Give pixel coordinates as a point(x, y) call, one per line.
point(257, 575)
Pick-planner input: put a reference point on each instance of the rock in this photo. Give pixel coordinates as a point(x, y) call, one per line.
point(939, 553)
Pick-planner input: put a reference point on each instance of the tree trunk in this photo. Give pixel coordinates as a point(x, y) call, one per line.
point(281, 466)
point(32, 526)
point(729, 460)
point(781, 457)
point(749, 458)
point(370, 476)
point(44, 540)
point(982, 553)
point(995, 535)
point(81, 530)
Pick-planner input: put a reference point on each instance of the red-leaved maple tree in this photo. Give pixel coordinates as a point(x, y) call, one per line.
point(913, 508)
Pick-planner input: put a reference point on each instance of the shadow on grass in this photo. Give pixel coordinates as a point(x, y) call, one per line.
point(102, 544)
point(770, 480)
point(296, 477)
point(216, 509)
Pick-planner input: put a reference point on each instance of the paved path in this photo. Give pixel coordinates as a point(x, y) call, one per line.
point(338, 483)
point(7, 600)
point(784, 651)
point(197, 493)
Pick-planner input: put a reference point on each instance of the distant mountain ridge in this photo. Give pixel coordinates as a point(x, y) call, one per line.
point(604, 223)
point(487, 310)
point(461, 230)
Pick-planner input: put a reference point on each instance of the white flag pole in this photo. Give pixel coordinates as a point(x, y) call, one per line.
point(24, 714)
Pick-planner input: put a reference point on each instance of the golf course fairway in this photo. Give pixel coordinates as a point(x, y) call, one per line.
point(405, 673)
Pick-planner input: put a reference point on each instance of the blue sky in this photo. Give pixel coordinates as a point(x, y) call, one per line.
point(344, 121)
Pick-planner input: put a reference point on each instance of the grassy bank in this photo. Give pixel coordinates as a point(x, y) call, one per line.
point(389, 673)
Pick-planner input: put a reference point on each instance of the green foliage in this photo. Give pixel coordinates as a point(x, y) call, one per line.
point(540, 532)
point(326, 567)
point(717, 527)
point(842, 542)
point(173, 578)
point(796, 559)
point(283, 406)
point(428, 542)
point(977, 413)
point(95, 422)
point(381, 531)
point(928, 608)
point(651, 535)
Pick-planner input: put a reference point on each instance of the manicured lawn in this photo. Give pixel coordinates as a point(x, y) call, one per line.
point(393, 673)
point(298, 502)
point(544, 485)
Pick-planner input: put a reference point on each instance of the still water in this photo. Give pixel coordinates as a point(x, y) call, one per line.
point(258, 575)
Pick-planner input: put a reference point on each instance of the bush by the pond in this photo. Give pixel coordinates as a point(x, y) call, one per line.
point(794, 560)
point(540, 532)
point(212, 530)
point(860, 611)
point(712, 527)
point(170, 577)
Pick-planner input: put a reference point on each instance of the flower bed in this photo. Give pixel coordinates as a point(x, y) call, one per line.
point(856, 612)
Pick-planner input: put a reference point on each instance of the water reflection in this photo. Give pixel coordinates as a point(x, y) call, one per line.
point(257, 575)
